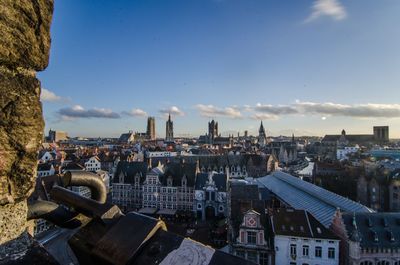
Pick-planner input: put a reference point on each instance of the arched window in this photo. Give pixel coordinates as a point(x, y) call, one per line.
point(383, 262)
point(366, 262)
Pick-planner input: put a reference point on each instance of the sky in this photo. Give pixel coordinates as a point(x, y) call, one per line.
point(308, 67)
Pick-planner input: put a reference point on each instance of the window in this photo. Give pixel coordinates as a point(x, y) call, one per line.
point(318, 252)
point(263, 258)
point(331, 253)
point(306, 251)
point(251, 237)
point(240, 253)
point(293, 250)
point(383, 262)
point(252, 256)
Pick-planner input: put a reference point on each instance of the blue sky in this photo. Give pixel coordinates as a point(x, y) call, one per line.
point(304, 66)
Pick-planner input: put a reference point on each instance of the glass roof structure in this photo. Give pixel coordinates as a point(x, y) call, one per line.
point(302, 195)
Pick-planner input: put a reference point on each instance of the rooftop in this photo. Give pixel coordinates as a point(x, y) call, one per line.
point(303, 195)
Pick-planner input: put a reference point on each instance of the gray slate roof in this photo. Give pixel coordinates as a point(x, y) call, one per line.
point(375, 229)
point(302, 195)
point(298, 223)
point(129, 170)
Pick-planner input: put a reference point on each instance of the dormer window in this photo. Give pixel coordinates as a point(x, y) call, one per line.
point(369, 222)
point(390, 236)
point(169, 182)
point(184, 181)
point(374, 236)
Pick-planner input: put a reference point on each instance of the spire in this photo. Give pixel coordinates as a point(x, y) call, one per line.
point(169, 116)
point(355, 235)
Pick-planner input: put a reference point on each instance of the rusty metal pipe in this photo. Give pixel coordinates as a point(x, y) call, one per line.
point(53, 213)
point(87, 179)
point(86, 206)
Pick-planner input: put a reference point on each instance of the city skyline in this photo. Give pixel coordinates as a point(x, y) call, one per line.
point(309, 68)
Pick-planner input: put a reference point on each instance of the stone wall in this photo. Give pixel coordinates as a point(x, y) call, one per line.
point(24, 49)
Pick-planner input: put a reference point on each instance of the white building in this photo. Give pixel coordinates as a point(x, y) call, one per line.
point(93, 164)
point(343, 152)
point(299, 239)
point(47, 156)
point(45, 169)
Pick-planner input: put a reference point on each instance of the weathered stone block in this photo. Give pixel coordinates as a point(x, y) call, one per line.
point(25, 33)
point(12, 221)
point(21, 131)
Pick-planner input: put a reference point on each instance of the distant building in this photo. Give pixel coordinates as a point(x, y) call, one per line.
point(381, 134)
point(127, 185)
point(380, 190)
point(45, 169)
point(57, 136)
point(127, 138)
point(170, 188)
point(345, 151)
point(165, 188)
point(93, 164)
point(169, 129)
point(331, 142)
point(151, 128)
point(46, 156)
point(300, 239)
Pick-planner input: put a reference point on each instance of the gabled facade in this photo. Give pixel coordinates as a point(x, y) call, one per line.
point(251, 243)
point(210, 195)
point(93, 164)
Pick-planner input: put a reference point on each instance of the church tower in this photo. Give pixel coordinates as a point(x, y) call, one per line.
point(151, 128)
point(212, 131)
point(169, 129)
point(262, 137)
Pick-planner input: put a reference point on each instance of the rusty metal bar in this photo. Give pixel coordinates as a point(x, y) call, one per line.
point(53, 213)
point(86, 206)
point(87, 179)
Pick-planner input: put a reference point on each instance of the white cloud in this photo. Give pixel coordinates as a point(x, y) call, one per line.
point(135, 113)
point(211, 111)
point(333, 109)
point(47, 95)
point(264, 116)
point(77, 111)
point(173, 110)
point(330, 8)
